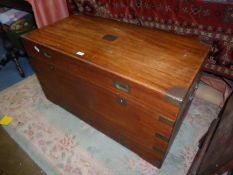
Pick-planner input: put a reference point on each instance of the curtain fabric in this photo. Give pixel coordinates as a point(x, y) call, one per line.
point(47, 12)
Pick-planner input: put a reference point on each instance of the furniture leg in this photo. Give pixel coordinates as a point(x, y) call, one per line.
point(18, 66)
point(12, 55)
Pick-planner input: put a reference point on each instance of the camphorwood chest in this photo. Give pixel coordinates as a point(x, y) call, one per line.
point(134, 84)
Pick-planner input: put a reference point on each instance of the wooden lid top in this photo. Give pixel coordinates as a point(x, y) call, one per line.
point(159, 60)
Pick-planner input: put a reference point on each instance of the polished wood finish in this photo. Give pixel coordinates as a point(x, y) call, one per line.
point(123, 83)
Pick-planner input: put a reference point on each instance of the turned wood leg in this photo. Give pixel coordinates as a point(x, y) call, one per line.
point(13, 55)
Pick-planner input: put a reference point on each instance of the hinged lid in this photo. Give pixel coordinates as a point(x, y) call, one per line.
point(161, 61)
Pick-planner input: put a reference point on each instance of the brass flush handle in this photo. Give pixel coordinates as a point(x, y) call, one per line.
point(122, 87)
point(47, 55)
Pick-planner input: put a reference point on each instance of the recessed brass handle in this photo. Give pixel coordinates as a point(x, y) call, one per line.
point(47, 55)
point(51, 67)
point(122, 87)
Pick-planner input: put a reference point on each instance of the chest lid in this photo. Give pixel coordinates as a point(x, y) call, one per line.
point(161, 61)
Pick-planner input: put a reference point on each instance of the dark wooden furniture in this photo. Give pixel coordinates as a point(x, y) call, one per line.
point(134, 84)
point(215, 155)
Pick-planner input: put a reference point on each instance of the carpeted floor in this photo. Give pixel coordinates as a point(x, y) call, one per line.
point(60, 143)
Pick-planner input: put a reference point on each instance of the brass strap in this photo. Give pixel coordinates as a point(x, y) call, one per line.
point(161, 137)
point(166, 121)
point(175, 95)
point(159, 150)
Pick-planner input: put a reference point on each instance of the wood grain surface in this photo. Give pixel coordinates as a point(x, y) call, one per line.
point(158, 60)
point(120, 85)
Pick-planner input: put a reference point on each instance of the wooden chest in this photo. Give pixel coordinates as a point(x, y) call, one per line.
point(133, 84)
